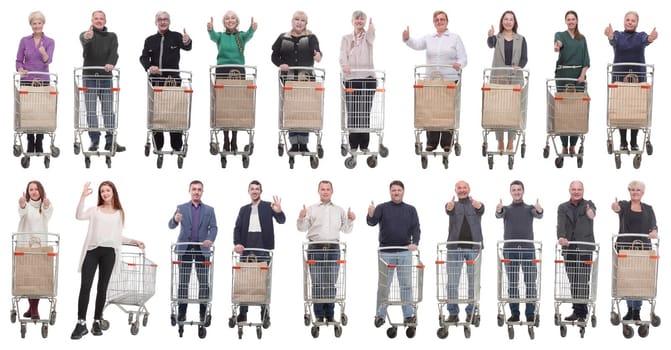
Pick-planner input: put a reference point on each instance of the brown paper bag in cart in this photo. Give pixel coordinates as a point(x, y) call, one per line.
point(636, 275)
point(234, 103)
point(36, 107)
point(303, 105)
point(436, 104)
point(34, 272)
point(628, 103)
point(569, 113)
point(250, 282)
point(171, 107)
point(502, 107)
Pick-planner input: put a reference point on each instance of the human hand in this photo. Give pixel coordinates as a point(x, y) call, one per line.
point(254, 25)
point(346, 70)
point(371, 27)
point(154, 70)
point(371, 209)
point(22, 201)
point(538, 207)
point(109, 67)
point(87, 189)
point(139, 244)
point(210, 24)
point(558, 45)
point(207, 243)
point(475, 203)
point(350, 214)
point(239, 248)
point(42, 50)
point(653, 35)
point(317, 56)
point(499, 207)
point(652, 234)
point(412, 247)
point(406, 34)
point(490, 32)
point(284, 67)
point(22, 71)
point(563, 241)
point(589, 211)
point(615, 206)
point(178, 216)
point(88, 35)
point(450, 205)
point(185, 37)
point(456, 66)
point(46, 202)
point(581, 79)
point(303, 212)
point(609, 32)
point(277, 204)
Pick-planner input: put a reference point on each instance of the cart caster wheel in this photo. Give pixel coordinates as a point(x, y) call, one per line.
point(446, 162)
point(562, 331)
point(532, 334)
point(582, 332)
point(655, 321)
point(202, 332)
point(627, 331)
point(476, 320)
point(259, 332)
point(159, 161)
point(320, 151)
point(648, 148)
point(231, 321)
point(523, 150)
point(208, 321)
point(291, 162)
point(457, 149)
point(45, 330)
point(108, 161)
point(467, 332)
point(580, 161)
point(314, 162)
point(240, 332)
point(618, 161)
point(500, 320)
point(280, 150)
point(442, 332)
point(134, 328)
point(410, 332)
point(425, 162)
point(55, 151)
point(609, 146)
point(418, 148)
point(559, 162)
point(266, 322)
point(614, 318)
point(337, 331)
point(306, 320)
point(581, 150)
point(637, 161)
point(391, 332)
point(511, 332)
point(47, 161)
point(344, 150)
point(25, 162)
point(546, 151)
point(173, 320)
point(87, 162)
point(77, 148)
point(245, 162)
point(104, 325)
point(223, 161)
point(593, 320)
point(350, 163)
point(384, 151)
point(23, 330)
point(130, 318)
point(372, 161)
point(484, 149)
point(314, 331)
point(379, 321)
point(643, 331)
point(17, 150)
point(12, 316)
point(490, 162)
point(180, 162)
point(343, 319)
point(214, 149)
point(537, 320)
point(180, 330)
point(145, 320)
point(147, 149)
point(249, 148)
point(511, 161)
point(557, 319)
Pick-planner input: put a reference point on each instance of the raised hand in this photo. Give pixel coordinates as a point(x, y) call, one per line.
point(210, 24)
point(490, 32)
point(87, 189)
point(499, 207)
point(609, 32)
point(475, 203)
point(558, 45)
point(371, 26)
point(303, 212)
point(615, 206)
point(350, 214)
point(653, 35)
point(450, 205)
point(88, 35)
point(277, 204)
point(254, 25)
point(178, 216)
point(46, 202)
point(185, 37)
point(589, 211)
point(371, 209)
point(406, 33)
point(538, 207)
point(22, 201)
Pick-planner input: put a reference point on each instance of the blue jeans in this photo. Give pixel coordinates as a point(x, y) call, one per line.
point(521, 258)
point(403, 271)
point(189, 257)
point(635, 304)
point(99, 88)
point(456, 258)
point(261, 256)
point(324, 276)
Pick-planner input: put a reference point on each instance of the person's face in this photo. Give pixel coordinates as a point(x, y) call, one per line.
point(196, 192)
point(359, 23)
point(508, 21)
point(33, 192)
point(163, 23)
point(37, 25)
point(576, 190)
point(396, 193)
point(571, 21)
point(325, 192)
point(254, 192)
point(462, 190)
point(440, 22)
point(516, 191)
point(298, 24)
point(230, 21)
point(630, 22)
point(106, 193)
point(636, 193)
point(98, 20)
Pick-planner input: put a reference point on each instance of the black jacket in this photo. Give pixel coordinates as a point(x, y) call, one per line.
point(163, 51)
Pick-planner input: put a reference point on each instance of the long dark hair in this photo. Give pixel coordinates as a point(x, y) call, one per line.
point(116, 203)
point(501, 21)
point(40, 189)
point(576, 34)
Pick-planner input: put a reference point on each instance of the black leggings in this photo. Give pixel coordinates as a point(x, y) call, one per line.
point(103, 259)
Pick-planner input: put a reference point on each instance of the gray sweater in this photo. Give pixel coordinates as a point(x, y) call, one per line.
point(518, 222)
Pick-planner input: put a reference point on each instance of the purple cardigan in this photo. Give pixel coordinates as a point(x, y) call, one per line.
point(28, 57)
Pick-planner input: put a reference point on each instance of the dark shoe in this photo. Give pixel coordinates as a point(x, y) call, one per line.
point(514, 318)
point(303, 148)
point(628, 316)
point(624, 148)
point(320, 319)
point(234, 147)
point(430, 148)
point(79, 332)
point(330, 319)
point(241, 318)
point(572, 317)
point(31, 146)
point(181, 317)
point(35, 316)
point(469, 318)
point(27, 314)
point(531, 318)
point(634, 148)
point(95, 328)
point(453, 319)
point(227, 145)
point(410, 320)
point(40, 149)
point(93, 147)
point(379, 321)
point(636, 315)
point(294, 148)
point(117, 147)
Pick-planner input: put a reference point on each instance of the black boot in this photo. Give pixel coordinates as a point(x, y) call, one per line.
point(38, 143)
point(234, 141)
point(227, 143)
point(629, 315)
point(636, 315)
point(31, 143)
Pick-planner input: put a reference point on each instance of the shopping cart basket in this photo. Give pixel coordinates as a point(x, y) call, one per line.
point(251, 284)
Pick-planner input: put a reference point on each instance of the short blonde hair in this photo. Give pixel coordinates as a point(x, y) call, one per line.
point(36, 15)
point(637, 184)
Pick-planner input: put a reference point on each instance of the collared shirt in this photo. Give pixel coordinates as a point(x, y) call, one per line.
point(254, 223)
point(29, 57)
point(324, 222)
point(195, 222)
point(445, 49)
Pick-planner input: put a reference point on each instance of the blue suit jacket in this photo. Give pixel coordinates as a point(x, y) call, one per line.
point(208, 224)
point(266, 215)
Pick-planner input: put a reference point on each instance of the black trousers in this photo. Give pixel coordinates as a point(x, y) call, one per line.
point(102, 259)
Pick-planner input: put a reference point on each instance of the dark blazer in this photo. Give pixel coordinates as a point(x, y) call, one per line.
point(266, 215)
point(580, 228)
point(464, 208)
point(172, 44)
point(648, 221)
point(208, 224)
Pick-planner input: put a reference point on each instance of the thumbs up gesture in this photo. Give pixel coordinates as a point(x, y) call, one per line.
point(609, 32)
point(303, 212)
point(210, 24)
point(589, 211)
point(22, 200)
point(371, 209)
point(88, 35)
point(317, 56)
point(450, 205)
point(371, 26)
point(499, 207)
point(653, 35)
point(615, 206)
point(254, 25)
point(558, 45)
point(178, 216)
point(350, 214)
point(406, 34)
point(475, 203)
point(490, 32)
point(538, 207)
point(185, 37)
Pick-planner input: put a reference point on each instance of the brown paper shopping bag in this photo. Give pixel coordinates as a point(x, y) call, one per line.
point(234, 104)
point(34, 273)
point(436, 104)
point(250, 283)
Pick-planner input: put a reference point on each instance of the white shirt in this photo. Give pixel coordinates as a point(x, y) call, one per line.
point(445, 49)
point(324, 222)
point(32, 221)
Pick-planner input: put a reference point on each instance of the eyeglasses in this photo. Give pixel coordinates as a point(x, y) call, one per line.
point(163, 20)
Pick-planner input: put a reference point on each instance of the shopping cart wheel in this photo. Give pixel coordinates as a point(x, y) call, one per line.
point(379, 321)
point(130, 318)
point(214, 149)
point(104, 325)
point(655, 321)
point(314, 331)
point(490, 162)
point(648, 148)
point(467, 332)
point(12, 316)
point(500, 320)
point(582, 332)
point(208, 320)
point(643, 331)
point(180, 330)
point(306, 319)
point(180, 162)
point(609, 146)
point(476, 320)
point(637, 161)
point(442, 332)
point(259, 332)
point(249, 148)
point(314, 162)
point(537, 320)
point(320, 151)
point(280, 149)
point(511, 332)
point(614, 318)
point(350, 162)
point(418, 148)
point(240, 332)
point(147, 149)
point(25, 162)
point(511, 161)
point(159, 161)
point(23, 330)
point(562, 331)
point(371, 161)
point(17, 150)
point(384, 151)
point(532, 334)
point(108, 161)
point(291, 162)
point(55, 151)
point(343, 319)
point(457, 149)
point(45, 330)
point(523, 150)
point(559, 162)
point(231, 321)
point(546, 151)
point(618, 161)
point(202, 332)
point(446, 162)
point(47, 161)
point(410, 332)
point(580, 161)
point(245, 162)
point(557, 319)
point(593, 320)
point(425, 162)
point(344, 150)
point(134, 328)
point(391, 332)
point(266, 322)
point(223, 161)
point(484, 149)
point(627, 331)
point(337, 331)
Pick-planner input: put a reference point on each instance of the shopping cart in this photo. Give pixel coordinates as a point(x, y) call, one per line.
point(192, 283)
point(437, 109)
point(96, 110)
point(131, 287)
point(35, 111)
point(251, 284)
point(362, 111)
point(635, 274)
point(576, 275)
point(458, 282)
point(232, 108)
point(324, 282)
point(34, 276)
point(519, 280)
point(301, 110)
point(504, 110)
point(567, 115)
point(168, 110)
point(400, 283)
point(630, 106)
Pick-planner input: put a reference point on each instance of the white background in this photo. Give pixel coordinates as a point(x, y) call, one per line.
point(149, 195)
